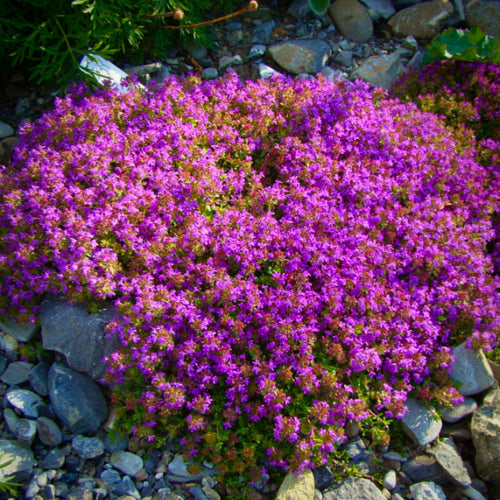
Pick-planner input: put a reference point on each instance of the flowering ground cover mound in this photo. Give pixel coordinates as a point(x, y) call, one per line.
point(467, 96)
point(284, 256)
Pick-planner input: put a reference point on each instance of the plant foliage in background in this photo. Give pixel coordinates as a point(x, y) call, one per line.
point(50, 37)
point(319, 7)
point(284, 257)
point(463, 45)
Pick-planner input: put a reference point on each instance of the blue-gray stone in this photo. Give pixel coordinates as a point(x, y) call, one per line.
point(301, 56)
point(23, 332)
point(27, 402)
point(16, 373)
point(87, 447)
point(126, 462)
point(126, 487)
point(38, 378)
point(354, 488)
point(79, 336)
point(420, 423)
point(54, 459)
point(77, 400)
point(18, 460)
point(49, 432)
point(110, 477)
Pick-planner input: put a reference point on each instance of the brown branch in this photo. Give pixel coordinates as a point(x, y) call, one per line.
point(253, 5)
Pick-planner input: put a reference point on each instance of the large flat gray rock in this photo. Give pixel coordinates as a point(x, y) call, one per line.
point(79, 336)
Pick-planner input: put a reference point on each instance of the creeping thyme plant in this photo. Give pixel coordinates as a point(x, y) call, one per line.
point(284, 256)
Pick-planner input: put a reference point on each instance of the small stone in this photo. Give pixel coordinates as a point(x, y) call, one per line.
point(460, 411)
point(471, 371)
point(87, 447)
point(354, 488)
point(126, 487)
point(110, 477)
point(390, 480)
point(48, 492)
point(421, 424)
point(11, 419)
point(451, 462)
point(25, 431)
point(356, 449)
point(23, 332)
point(256, 51)
point(18, 461)
point(473, 494)
point(484, 14)
point(49, 432)
point(344, 57)
point(395, 456)
point(427, 490)
point(27, 402)
point(209, 73)
point(5, 130)
point(421, 468)
point(301, 56)
point(127, 462)
point(263, 31)
point(297, 487)
point(323, 477)
point(54, 459)
point(266, 72)
point(80, 493)
point(352, 20)
point(38, 378)
point(16, 373)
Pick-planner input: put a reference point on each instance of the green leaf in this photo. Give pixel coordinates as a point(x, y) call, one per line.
point(319, 7)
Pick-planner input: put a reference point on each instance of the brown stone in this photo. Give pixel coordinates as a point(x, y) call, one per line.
point(352, 20)
point(423, 21)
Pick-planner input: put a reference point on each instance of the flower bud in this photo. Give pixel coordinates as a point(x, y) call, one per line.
point(253, 5)
point(178, 14)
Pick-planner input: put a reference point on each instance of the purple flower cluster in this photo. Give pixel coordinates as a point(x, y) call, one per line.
point(284, 256)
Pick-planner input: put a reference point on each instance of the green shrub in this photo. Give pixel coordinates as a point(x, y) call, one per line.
point(51, 36)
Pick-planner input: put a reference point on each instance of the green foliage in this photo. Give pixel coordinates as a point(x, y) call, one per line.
point(51, 36)
point(463, 45)
point(319, 7)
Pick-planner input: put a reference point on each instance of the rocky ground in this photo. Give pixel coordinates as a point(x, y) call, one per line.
point(57, 417)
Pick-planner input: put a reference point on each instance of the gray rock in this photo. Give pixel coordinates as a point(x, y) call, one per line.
point(354, 488)
point(110, 477)
point(460, 411)
point(38, 378)
point(381, 71)
point(352, 20)
point(301, 56)
point(344, 57)
point(77, 400)
point(27, 402)
point(379, 9)
point(209, 73)
point(23, 332)
point(25, 431)
point(11, 419)
point(256, 51)
point(19, 461)
point(471, 371)
point(331, 74)
point(3, 363)
point(485, 428)
point(323, 477)
point(473, 494)
point(54, 459)
point(390, 480)
point(420, 424)
point(49, 432)
point(356, 449)
point(126, 462)
point(451, 462)
point(80, 493)
point(126, 487)
point(16, 373)
point(427, 491)
point(9, 345)
point(263, 31)
point(87, 447)
point(395, 457)
point(178, 467)
point(266, 71)
point(79, 336)
point(299, 9)
point(485, 14)
point(5, 130)
point(423, 21)
point(197, 493)
point(295, 487)
point(421, 468)
point(226, 61)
